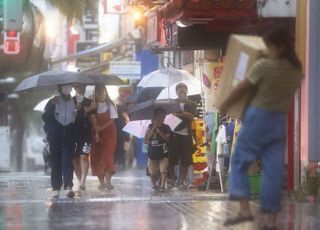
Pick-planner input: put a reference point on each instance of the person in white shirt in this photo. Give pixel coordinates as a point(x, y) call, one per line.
point(59, 117)
point(103, 122)
point(181, 143)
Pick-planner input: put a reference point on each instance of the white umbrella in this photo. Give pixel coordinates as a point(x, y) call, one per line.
point(138, 128)
point(41, 105)
point(194, 88)
point(165, 78)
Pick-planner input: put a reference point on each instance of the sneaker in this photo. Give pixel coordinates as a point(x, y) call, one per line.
point(70, 192)
point(162, 189)
point(55, 194)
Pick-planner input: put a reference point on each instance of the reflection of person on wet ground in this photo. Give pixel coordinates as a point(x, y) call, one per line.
point(157, 137)
point(102, 155)
point(59, 117)
point(83, 135)
point(181, 143)
point(263, 131)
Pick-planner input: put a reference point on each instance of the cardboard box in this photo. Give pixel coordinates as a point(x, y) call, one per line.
point(242, 52)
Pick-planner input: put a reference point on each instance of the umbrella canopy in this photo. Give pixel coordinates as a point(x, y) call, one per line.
point(41, 105)
point(194, 88)
point(145, 94)
point(144, 110)
point(105, 79)
point(165, 78)
point(51, 79)
point(138, 128)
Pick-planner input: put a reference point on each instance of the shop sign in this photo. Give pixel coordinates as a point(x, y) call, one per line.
point(126, 69)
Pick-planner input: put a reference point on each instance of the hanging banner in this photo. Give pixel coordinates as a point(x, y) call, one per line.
point(211, 75)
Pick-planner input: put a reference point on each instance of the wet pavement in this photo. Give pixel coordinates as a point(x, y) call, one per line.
point(25, 203)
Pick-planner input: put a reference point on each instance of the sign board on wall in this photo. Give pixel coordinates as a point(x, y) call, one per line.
point(126, 69)
point(279, 8)
point(211, 75)
point(88, 60)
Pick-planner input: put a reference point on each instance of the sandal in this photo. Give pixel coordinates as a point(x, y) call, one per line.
point(101, 187)
point(109, 186)
point(238, 219)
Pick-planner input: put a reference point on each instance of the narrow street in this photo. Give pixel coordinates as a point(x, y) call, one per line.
point(25, 203)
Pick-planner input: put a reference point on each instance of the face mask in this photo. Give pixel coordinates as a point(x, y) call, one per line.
point(79, 98)
point(66, 89)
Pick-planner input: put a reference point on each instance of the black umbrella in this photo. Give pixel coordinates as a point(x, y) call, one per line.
point(145, 94)
point(144, 110)
point(51, 79)
point(105, 79)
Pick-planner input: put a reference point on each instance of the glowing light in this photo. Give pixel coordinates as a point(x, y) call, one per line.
point(74, 30)
point(137, 15)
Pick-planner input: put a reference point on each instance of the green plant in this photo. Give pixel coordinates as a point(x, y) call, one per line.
point(308, 190)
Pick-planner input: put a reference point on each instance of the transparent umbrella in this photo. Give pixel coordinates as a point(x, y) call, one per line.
point(138, 128)
point(165, 78)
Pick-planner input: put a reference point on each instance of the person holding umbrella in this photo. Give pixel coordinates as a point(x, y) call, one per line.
point(102, 154)
point(157, 138)
point(181, 143)
point(59, 116)
point(83, 135)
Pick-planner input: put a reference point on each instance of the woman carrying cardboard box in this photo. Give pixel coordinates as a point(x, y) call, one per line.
point(263, 134)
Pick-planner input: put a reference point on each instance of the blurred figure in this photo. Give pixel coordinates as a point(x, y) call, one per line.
point(157, 138)
point(83, 134)
point(122, 136)
point(181, 143)
point(131, 146)
point(102, 162)
point(263, 132)
point(59, 117)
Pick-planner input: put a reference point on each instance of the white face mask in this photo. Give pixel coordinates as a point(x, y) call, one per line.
point(79, 98)
point(66, 89)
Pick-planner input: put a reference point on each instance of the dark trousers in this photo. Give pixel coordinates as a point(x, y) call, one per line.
point(62, 149)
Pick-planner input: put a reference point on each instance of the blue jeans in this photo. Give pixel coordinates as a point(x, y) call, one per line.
point(262, 135)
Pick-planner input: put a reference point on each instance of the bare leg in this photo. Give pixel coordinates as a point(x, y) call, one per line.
point(108, 176)
point(244, 208)
point(271, 219)
point(183, 174)
point(244, 214)
point(84, 162)
point(154, 181)
point(102, 183)
point(77, 167)
point(163, 179)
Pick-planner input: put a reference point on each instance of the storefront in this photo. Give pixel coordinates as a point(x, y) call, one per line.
point(204, 32)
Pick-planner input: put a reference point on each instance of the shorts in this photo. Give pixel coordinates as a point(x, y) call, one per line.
point(80, 148)
point(156, 166)
point(180, 150)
